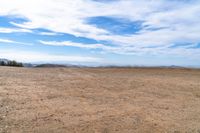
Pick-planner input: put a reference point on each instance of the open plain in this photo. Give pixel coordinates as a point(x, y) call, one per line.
point(99, 100)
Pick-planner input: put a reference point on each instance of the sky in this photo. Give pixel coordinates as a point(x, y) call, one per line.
point(101, 32)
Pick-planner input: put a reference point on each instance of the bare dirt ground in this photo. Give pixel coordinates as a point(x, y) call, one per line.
point(99, 100)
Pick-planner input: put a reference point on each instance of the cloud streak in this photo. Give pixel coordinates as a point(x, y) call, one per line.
point(14, 30)
point(72, 44)
point(6, 41)
point(13, 42)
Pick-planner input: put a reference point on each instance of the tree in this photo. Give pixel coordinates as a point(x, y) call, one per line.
point(2, 63)
point(11, 63)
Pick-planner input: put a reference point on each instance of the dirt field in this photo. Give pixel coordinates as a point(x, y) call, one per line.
point(103, 100)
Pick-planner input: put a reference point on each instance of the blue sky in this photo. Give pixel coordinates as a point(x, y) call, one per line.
point(101, 32)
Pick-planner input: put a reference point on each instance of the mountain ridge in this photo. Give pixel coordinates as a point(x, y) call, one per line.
point(6, 61)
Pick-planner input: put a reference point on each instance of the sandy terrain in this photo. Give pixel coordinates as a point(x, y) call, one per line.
point(68, 100)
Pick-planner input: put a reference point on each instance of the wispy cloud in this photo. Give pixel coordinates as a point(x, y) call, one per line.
point(49, 33)
point(162, 24)
point(6, 41)
point(182, 50)
point(72, 44)
point(13, 42)
point(155, 14)
point(13, 30)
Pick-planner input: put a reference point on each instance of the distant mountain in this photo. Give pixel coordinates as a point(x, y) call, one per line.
point(59, 65)
point(50, 65)
point(28, 65)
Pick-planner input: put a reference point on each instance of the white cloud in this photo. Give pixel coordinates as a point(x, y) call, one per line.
point(13, 42)
point(68, 43)
point(182, 51)
point(23, 56)
point(175, 21)
point(49, 33)
point(86, 46)
point(13, 30)
point(6, 41)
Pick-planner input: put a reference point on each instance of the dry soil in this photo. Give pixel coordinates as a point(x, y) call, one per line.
point(99, 100)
